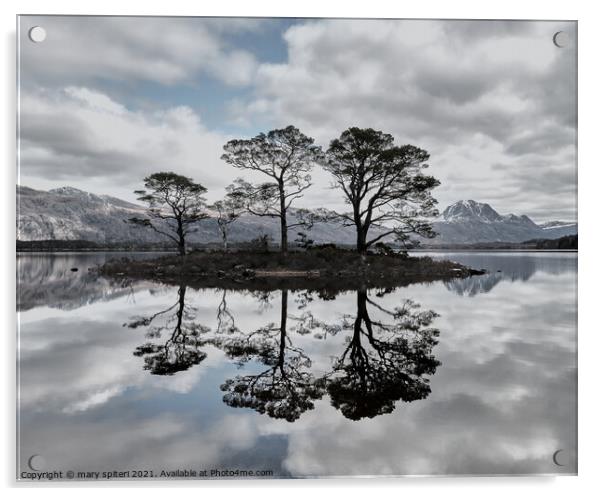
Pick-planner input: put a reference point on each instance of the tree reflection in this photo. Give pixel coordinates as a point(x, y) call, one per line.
point(225, 318)
point(284, 390)
point(182, 349)
point(386, 356)
point(383, 362)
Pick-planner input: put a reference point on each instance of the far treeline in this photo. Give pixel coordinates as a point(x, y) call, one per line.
point(563, 243)
point(569, 242)
point(383, 184)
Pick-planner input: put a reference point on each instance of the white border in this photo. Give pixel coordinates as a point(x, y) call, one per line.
point(590, 85)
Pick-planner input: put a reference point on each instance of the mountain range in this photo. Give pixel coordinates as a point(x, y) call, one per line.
point(468, 221)
point(71, 214)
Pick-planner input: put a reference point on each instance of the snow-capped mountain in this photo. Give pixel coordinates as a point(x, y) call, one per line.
point(470, 210)
point(468, 221)
point(71, 214)
point(465, 210)
point(558, 228)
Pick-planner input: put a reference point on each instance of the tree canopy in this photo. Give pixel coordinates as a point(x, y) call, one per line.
point(175, 204)
point(384, 185)
point(227, 211)
point(286, 156)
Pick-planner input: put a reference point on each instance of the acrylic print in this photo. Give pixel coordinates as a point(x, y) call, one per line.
point(289, 248)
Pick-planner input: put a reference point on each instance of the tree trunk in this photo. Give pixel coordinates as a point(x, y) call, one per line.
point(225, 239)
point(283, 235)
point(180, 311)
point(362, 314)
point(362, 307)
point(361, 241)
point(181, 244)
point(283, 317)
point(361, 231)
point(283, 223)
point(181, 238)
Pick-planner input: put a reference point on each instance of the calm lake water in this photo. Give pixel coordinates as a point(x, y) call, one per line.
point(473, 376)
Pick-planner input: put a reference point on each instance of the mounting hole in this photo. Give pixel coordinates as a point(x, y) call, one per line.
point(36, 462)
point(37, 34)
point(561, 39)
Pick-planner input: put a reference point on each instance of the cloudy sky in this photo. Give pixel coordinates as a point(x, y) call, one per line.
point(106, 101)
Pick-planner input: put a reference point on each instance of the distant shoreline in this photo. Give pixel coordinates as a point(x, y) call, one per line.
point(414, 251)
point(563, 244)
point(492, 250)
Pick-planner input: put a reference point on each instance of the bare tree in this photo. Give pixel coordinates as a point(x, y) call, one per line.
point(227, 211)
point(285, 156)
point(384, 185)
point(175, 204)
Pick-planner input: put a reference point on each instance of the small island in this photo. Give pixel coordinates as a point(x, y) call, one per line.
point(319, 267)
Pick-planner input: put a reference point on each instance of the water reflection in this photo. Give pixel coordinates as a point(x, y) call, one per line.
point(500, 378)
point(286, 388)
point(225, 319)
point(383, 360)
point(504, 266)
point(48, 279)
point(472, 286)
point(183, 347)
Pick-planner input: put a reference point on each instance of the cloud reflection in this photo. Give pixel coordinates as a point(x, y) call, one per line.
point(501, 402)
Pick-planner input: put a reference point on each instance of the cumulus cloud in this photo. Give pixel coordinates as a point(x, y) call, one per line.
point(413, 72)
point(475, 94)
point(472, 93)
point(81, 49)
point(83, 138)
